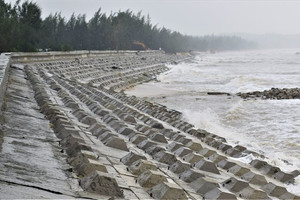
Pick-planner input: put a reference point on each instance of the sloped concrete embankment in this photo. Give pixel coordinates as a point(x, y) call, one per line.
point(123, 146)
point(4, 66)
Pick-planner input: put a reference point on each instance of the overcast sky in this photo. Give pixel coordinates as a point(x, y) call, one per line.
point(195, 17)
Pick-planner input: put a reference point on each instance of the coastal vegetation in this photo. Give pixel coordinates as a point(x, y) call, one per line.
point(23, 29)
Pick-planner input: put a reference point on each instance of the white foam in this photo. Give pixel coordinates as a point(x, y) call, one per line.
point(269, 127)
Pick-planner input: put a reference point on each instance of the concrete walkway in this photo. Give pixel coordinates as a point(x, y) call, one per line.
point(31, 164)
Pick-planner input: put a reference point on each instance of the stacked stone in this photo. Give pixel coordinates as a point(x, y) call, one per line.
point(274, 93)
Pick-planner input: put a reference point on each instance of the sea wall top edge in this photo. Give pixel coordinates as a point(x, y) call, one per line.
point(21, 57)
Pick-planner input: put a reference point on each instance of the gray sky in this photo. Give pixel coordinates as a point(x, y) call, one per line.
point(195, 17)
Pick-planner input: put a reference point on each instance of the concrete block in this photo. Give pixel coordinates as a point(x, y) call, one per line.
point(179, 167)
point(152, 150)
point(131, 157)
point(89, 166)
point(174, 146)
point(184, 140)
point(269, 170)
point(101, 112)
point(192, 131)
point(207, 152)
point(192, 158)
point(81, 157)
point(79, 114)
point(218, 194)
point(274, 190)
point(195, 146)
point(116, 142)
point(235, 185)
point(177, 137)
point(207, 166)
point(150, 132)
point(98, 133)
point(117, 125)
point(145, 144)
point(126, 131)
point(142, 128)
point(66, 131)
point(139, 166)
point(130, 119)
point(76, 147)
point(225, 164)
point(151, 178)
point(201, 186)
point(233, 152)
point(170, 134)
point(240, 148)
point(93, 129)
point(72, 105)
point(158, 137)
point(284, 177)
point(103, 137)
point(238, 170)
point(215, 143)
point(190, 175)
point(137, 139)
point(253, 178)
point(157, 125)
point(182, 151)
point(224, 147)
point(165, 157)
point(167, 191)
point(250, 193)
point(216, 158)
point(258, 163)
point(70, 140)
point(289, 196)
point(101, 183)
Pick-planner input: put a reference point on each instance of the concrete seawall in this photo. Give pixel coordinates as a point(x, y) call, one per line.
point(82, 137)
point(47, 56)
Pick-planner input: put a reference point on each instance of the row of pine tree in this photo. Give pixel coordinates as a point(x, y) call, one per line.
point(23, 29)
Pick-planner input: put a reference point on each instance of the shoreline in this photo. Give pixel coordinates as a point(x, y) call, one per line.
point(139, 148)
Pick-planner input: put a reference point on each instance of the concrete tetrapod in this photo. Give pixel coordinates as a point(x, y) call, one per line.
point(140, 166)
point(201, 186)
point(131, 157)
point(166, 191)
point(101, 183)
point(151, 178)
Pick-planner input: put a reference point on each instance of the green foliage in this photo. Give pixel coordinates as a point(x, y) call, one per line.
point(22, 29)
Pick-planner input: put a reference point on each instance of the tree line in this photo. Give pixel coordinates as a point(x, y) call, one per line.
point(23, 29)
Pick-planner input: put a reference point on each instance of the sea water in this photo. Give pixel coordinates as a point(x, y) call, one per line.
point(270, 127)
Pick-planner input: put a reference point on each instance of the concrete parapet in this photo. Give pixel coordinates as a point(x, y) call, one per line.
point(59, 55)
